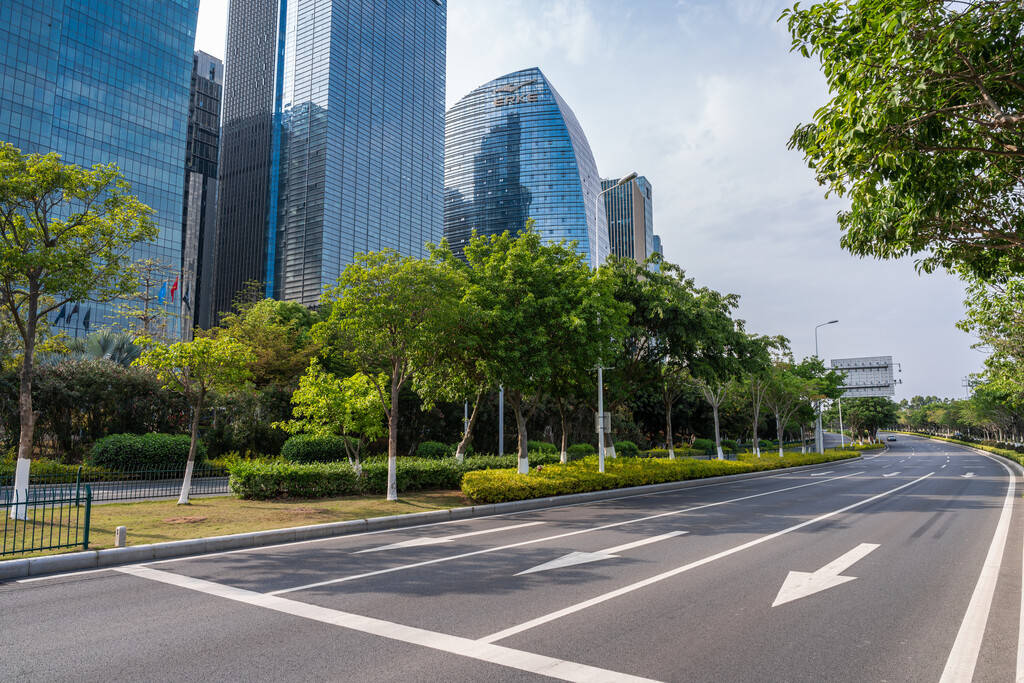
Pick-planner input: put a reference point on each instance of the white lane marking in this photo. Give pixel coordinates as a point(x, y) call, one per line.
point(577, 557)
point(891, 474)
point(444, 539)
point(460, 556)
point(495, 654)
point(943, 467)
point(801, 584)
point(572, 609)
point(822, 474)
point(964, 655)
point(969, 475)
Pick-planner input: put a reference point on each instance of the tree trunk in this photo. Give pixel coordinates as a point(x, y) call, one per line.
point(393, 439)
point(803, 439)
point(28, 422)
point(467, 438)
point(668, 435)
point(755, 444)
point(564, 457)
point(718, 437)
point(186, 484)
point(517, 407)
point(778, 428)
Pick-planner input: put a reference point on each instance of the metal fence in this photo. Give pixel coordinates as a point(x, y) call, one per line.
point(50, 517)
point(128, 485)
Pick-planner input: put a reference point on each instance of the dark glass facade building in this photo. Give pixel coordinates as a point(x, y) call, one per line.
point(336, 118)
point(200, 209)
point(630, 212)
point(101, 81)
point(514, 151)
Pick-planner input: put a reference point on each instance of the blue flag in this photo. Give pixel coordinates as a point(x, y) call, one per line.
point(72, 314)
point(60, 316)
point(163, 293)
point(85, 320)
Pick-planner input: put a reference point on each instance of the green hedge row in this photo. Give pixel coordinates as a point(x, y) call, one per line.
point(261, 480)
point(500, 486)
point(143, 451)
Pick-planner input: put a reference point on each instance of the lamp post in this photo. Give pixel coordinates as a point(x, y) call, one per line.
point(818, 442)
point(600, 421)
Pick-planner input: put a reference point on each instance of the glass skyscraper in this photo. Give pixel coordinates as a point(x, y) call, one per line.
point(513, 151)
point(333, 139)
point(101, 81)
point(630, 218)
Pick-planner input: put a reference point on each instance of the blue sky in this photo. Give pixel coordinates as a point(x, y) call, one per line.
point(701, 96)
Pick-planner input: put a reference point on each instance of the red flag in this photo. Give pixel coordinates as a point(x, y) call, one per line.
point(174, 288)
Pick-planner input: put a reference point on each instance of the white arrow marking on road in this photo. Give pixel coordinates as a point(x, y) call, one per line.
point(444, 539)
point(968, 475)
point(891, 474)
point(801, 584)
point(574, 558)
point(822, 474)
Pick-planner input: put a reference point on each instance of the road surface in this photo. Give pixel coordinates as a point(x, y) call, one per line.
point(904, 566)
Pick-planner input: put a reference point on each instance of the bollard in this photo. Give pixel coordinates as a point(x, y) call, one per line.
point(120, 537)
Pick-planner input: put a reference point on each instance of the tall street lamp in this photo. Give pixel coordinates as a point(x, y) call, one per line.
point(818, 441)
point(600, 422)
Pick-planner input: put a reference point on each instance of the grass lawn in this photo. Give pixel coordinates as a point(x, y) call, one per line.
point(157, 521)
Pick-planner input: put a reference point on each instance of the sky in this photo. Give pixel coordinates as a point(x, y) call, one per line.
point(701, 96)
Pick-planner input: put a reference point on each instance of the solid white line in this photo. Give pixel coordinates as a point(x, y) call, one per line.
point(495, 549)
point(964, 655)
point(415, 542)
point(495, 654)
point(572, 609)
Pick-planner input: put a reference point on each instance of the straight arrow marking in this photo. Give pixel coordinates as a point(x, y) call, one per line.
point(801, 584)
point(577, 557)
point(968, 475)
point(822, 474)
point(891, 474)
point(444, 539)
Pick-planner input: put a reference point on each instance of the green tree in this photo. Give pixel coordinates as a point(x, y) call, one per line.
point(389, 315)
point(65, 235)
point(193, 369)
point(541, 306)
point(995, 313)
point(924, 130)
point(866, 415)
point(787, 391)
point(349, 406)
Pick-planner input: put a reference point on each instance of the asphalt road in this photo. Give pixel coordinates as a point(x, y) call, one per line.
point(904, 566)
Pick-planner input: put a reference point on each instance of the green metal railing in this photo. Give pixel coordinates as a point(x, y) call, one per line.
point(50, 517)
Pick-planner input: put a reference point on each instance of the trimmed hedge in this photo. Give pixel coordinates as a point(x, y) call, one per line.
point(143, 451)
point(434, 450)
point(706, 445)
point(305, 448)
point(541, 447)
point(627, 449)
point(261, 480)
point(579, 450)
point(499, 486)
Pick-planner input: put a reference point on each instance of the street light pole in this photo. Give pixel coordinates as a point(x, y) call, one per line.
point(818, 440)
point(600, 421)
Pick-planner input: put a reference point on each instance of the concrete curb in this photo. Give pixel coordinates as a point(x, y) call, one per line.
point(96, 559)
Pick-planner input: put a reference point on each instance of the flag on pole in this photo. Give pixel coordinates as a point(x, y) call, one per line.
point(163, 293)
point(85, 319)
point(60, 316)
point(174, 288)
point(186, 296)
point(74, 312)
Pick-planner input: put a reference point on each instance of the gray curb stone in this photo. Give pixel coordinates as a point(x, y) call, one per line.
point(94, 559)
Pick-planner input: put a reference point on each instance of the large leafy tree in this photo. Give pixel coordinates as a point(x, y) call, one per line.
point(389, 316)
point(65, 235)
point(542, 308)
point(995, 313)
point(193, 369)
point(925, 129)
point(866, 415)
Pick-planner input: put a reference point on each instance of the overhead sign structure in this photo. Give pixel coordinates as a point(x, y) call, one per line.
point(867, 376)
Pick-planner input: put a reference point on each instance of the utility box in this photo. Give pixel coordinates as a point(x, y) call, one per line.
point(603, 423)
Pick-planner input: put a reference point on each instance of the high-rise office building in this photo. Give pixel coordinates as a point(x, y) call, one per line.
point(200, 209)
point(657, 246)
point(630, 214)
point(333, 139)
point(104, 81)
point(514, 151)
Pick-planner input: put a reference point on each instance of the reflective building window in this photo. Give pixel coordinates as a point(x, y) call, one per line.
point(513, 151)
point(104, 81)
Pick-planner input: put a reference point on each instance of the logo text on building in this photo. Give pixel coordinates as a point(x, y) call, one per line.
point(512, 95)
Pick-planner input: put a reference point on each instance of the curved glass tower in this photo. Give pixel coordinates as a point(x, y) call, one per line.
point(513, 151)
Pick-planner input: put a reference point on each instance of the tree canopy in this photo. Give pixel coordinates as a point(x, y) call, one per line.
point(925, 129)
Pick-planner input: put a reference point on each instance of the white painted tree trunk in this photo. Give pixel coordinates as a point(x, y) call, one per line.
point(21, 489)
point(186, 485)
